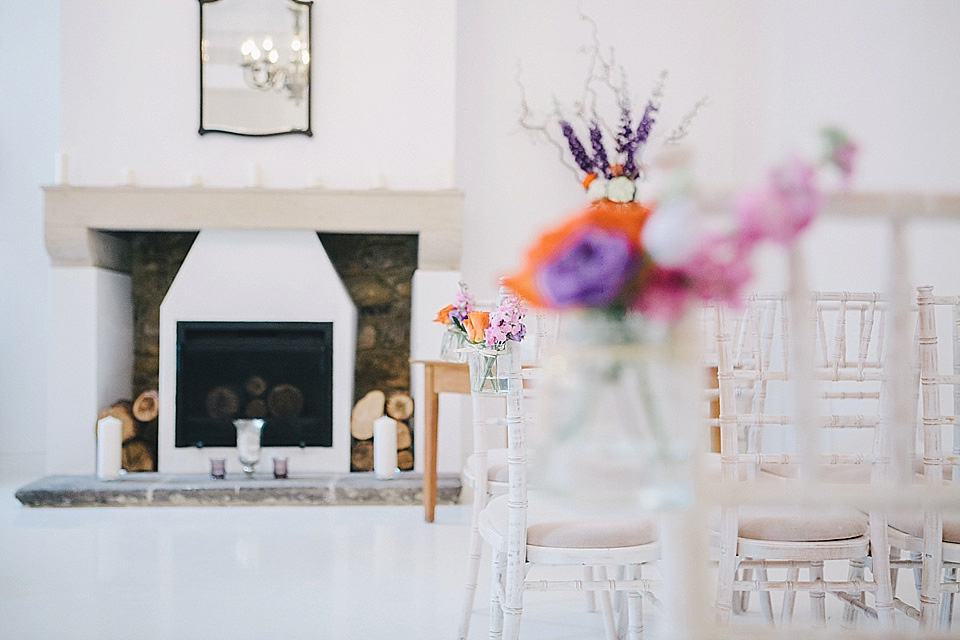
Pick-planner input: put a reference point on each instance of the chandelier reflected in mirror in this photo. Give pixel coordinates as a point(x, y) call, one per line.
point(281, 64)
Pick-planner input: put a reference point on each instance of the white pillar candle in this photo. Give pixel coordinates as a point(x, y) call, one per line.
point(385, 448)
point(60, 169)
point(108, 448)
point(256, 175)
point(194, 180)
point(128, 178)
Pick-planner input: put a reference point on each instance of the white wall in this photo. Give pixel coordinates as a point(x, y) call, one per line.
point(382, 101)
point(29, 132)
point(888, 71)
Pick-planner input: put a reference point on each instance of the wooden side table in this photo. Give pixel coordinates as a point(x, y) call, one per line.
point(438, 377)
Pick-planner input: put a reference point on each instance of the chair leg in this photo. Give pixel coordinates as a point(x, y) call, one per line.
point(587, 575)
point(947, 599)
point(931, 570)
point(634, 605)
point(726, 575)
point(894, 572)
point(606, 606)
point(849, 611)
point(473, 568)
point(741, 599)
point(513, 595)
point(789, 597)
point(766, 606)
point(880, 567)
point(496, 588)
point(818, 598)
point(916, 557)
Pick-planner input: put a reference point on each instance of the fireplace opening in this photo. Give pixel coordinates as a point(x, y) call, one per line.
point(279, 371)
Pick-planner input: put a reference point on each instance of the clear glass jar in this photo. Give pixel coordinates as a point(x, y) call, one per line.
point(617, 413)
point(489, 369)
point(452, 346)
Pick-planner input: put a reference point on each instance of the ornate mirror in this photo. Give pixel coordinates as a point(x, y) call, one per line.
point(255, 67)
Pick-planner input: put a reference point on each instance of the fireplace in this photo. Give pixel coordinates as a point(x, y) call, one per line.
point(279, 371)
point(259, 260)
point(256, 322)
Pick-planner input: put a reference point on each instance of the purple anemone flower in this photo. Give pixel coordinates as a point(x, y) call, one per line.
point(590, 271)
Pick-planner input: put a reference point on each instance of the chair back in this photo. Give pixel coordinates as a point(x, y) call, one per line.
point(843, 340)
point(940, 412)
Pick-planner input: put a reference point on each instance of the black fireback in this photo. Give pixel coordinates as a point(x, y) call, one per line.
point(279, 371)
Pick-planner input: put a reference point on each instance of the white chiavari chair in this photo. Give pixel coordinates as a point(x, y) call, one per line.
point(754, 367)
point(932, 539)
point(485, 471)
point(526, 530)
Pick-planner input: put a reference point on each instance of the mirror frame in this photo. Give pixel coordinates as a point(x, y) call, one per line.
point(309, 130)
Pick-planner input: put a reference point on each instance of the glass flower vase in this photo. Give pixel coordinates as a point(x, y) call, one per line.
point(617, 413)
point(453, 345)
point(489, 369)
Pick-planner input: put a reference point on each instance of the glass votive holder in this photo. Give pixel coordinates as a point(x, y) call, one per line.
point(218, 468)
point(279, 468)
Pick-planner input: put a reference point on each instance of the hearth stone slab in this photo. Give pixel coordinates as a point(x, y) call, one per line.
point(166, 489)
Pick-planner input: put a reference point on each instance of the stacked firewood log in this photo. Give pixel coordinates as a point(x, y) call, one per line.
point(399, 406)
point(138, 430)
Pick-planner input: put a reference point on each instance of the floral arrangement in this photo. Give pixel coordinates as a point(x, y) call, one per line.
point(483, 329)
point(628, 257)
point(607, 158)
point(620, 255)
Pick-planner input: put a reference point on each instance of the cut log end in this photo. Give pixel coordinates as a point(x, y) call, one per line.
point(285, 401)
point(361, 455)
point(137, 456)
point(400, 406)
point(255, 386)
point(121, 410)
point(367, 409)
point(404, 439)
point(147, 406)
point(405, 460)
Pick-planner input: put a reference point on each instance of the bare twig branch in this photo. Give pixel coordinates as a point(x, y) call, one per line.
point(680, 132)
point(538, 130)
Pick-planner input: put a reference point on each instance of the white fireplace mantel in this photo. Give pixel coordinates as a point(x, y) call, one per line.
point(78, 220)
point(91, 350)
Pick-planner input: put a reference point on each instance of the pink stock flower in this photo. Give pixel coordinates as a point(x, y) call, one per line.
point(720, 269)
point(665, 295)
point(506, 323)
point(783, 209)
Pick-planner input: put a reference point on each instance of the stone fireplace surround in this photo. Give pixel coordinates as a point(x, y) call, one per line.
point(92, 320)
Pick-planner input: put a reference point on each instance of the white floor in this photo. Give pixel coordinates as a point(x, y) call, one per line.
point(232, 573)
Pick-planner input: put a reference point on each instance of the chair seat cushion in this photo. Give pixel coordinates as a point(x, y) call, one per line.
point(549, 525)
point(913, 525)
point(784, 525)
point(496, 467)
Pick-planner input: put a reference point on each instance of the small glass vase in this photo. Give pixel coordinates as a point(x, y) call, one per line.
point(248, 442)
point(617, 414)
point(489, 369)
point(453, 346)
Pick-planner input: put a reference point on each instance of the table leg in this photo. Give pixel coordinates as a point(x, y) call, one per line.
point(431, 416)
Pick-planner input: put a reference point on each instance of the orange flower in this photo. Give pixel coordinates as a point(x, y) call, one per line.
point(590, 177)
point(477, 322)
point(443, 316)
point(616, 170)
point(627, 217)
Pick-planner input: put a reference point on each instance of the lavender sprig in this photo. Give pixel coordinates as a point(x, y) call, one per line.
point(576, 148)
point(625, 133)
point(599, 152)
point(638, 138)
point(646, 123)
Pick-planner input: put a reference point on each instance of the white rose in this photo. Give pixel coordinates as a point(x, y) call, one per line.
point(671, 234)
point(621, 189)
point(597, 189)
